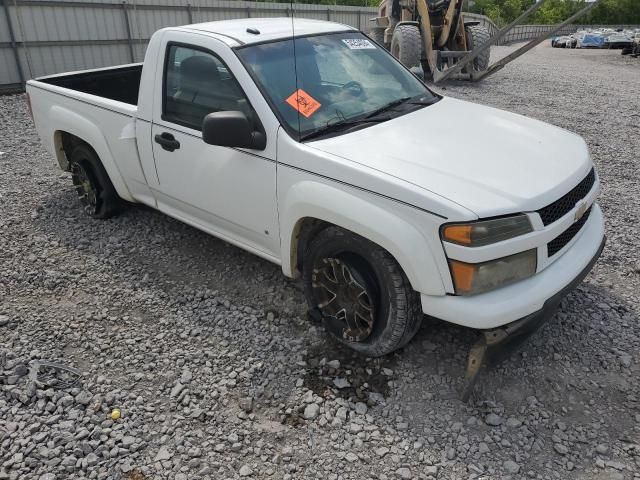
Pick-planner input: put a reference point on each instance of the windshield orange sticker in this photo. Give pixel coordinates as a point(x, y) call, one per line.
point(303, 102)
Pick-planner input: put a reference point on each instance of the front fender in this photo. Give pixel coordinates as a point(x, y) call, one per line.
point(66, 120)
point(382, 221)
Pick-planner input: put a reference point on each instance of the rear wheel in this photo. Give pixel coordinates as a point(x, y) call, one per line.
point(477, 35)
point(406, 45)
point(93, 186)
point(377, 35)
point(360, 292)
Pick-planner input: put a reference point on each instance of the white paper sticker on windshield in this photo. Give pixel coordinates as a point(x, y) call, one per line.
point(358, 43)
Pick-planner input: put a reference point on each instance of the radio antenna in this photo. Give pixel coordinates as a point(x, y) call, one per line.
point(295, 59)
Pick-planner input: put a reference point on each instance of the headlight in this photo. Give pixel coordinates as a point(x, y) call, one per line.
point(485, 232)
point(473, 278)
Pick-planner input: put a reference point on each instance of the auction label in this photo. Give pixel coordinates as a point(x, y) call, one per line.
point(358, 43)
point(303, 102)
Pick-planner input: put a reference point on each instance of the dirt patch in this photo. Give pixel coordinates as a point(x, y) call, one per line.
point(136, 474)
point(335, 370)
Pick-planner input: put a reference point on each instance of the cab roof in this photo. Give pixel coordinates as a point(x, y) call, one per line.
point(269, 29)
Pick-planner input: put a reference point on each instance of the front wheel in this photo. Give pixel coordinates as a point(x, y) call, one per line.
point(360, 292)
point(406, 44)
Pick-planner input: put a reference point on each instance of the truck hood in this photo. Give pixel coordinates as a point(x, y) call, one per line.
point(487, 160)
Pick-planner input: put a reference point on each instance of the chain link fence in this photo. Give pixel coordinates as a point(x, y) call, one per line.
point(523, 33)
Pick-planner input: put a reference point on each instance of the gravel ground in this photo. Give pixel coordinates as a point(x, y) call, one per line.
point(205, 352)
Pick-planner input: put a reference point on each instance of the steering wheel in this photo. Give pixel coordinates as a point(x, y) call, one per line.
point(353, 87)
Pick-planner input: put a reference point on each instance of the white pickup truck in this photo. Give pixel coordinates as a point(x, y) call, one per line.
point(309, 145)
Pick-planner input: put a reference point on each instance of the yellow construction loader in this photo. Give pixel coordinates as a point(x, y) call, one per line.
point(436, 35)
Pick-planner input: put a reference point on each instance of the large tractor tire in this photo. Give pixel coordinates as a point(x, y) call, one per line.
point(406, 45)
point(476, 36)
point(377, 35)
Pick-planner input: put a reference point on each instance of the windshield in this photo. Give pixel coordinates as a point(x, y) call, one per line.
point(340, 77)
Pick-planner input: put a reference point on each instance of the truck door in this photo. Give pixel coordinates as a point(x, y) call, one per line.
point(228, 192)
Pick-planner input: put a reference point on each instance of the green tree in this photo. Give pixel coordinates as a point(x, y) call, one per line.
point(615, 12)
point(556, 11)
point(607, 12)
point(501, 11)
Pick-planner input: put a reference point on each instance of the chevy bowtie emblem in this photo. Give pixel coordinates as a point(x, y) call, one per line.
point(580, 211)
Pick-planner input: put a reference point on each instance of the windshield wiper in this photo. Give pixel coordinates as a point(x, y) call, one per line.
point(369, 117)
point(337, 126)
point(388, 106)
point(400, 101)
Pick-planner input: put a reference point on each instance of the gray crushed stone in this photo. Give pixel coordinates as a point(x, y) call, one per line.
point(205, 350)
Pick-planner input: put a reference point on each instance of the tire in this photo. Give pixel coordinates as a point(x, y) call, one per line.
point(406, 45)
point(476, 36)
point(376, 287)
point(626, 51)
point(92, 183)
point(377, 35)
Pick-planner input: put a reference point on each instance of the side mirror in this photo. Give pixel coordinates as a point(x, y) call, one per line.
point(231, 129)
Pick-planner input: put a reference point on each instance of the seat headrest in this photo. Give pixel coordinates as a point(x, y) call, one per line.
point(199, 69)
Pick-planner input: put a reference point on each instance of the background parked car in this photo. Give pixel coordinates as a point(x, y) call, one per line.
point(618, 40)
point(634, 48)
point(590, 40)
point(564, 41)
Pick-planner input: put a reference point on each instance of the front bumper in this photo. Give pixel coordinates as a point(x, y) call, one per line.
point(496, 343)
point(527, 297)
point(529, 324)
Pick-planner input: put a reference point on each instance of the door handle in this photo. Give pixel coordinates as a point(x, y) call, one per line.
point(167, 141)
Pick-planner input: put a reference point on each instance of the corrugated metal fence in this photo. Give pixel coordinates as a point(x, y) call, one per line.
point(40, 37)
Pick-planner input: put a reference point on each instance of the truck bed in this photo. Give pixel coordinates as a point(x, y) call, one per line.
point(100, 107)
point(116, 83)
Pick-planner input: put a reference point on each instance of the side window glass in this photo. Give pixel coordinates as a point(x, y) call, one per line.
point(198, 83)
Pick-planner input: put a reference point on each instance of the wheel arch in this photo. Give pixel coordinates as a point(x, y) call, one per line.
point(73, 129)
point(65, 143)
point(310, 207)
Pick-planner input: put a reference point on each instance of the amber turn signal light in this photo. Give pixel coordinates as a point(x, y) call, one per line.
point(458, 234)
point(486, 232)
point(463, 274)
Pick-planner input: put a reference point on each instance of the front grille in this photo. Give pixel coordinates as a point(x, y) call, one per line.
point(563, 205)
point(557, 244)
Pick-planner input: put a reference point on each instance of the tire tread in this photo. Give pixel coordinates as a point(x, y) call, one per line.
point(112, 204)
point(405, 313)
point(477, 35)
point(410, 43)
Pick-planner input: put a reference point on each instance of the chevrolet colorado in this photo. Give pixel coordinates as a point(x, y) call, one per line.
point(309, 145)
